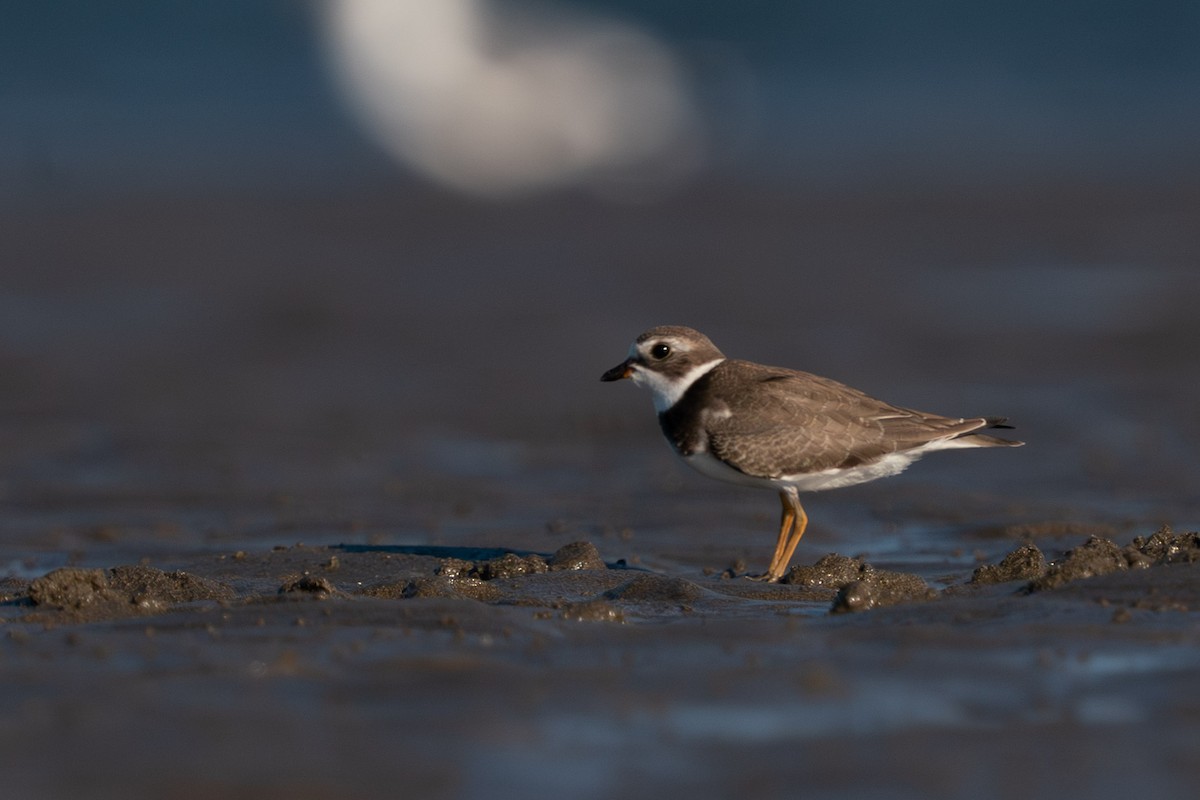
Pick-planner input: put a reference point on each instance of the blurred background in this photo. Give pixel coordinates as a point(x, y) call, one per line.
point(349, 271)
point(368, 259)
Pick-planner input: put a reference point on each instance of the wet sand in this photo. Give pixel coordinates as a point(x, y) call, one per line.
point(321, 497)
point(351, 670)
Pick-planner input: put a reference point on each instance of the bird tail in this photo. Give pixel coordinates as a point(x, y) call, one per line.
point(984, 440)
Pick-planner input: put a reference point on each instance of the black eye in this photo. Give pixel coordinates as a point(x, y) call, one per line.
point(660, 351)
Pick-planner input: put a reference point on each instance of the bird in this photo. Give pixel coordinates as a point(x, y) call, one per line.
point(782, 429)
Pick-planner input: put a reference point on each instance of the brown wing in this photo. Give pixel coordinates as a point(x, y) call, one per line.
point(796, 422)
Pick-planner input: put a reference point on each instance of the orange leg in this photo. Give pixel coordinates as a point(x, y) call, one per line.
point(791, 528)
point(787, 521)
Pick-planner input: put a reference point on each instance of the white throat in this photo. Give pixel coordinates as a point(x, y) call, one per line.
point(666, 391)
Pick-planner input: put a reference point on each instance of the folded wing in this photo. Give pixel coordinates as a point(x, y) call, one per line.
point(801, 423)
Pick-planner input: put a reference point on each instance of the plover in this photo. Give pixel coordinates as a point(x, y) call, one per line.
point(780, 429)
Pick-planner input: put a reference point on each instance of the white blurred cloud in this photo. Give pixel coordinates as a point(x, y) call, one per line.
point(495, 97)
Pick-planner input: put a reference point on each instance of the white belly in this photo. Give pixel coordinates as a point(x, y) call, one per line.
point(706, 464)
point(891, 464)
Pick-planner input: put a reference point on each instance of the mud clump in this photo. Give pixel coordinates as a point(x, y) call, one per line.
point(858, 585)
point(121, 591)
point(831, 572)
point(444, 587)
point(878, 589)
point(72, 588)
point(511, 565)
point(1094, 557)
point(576, 555)
point(153, 585)
point(1163, 547)
point(655, 589)
point(1026, 563)
point(461, 578)
point(573, 556)
point(1098, 556)
point(309, 585)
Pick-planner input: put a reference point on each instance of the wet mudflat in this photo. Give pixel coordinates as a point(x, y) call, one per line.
point(300, 503)
point(459, 673)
